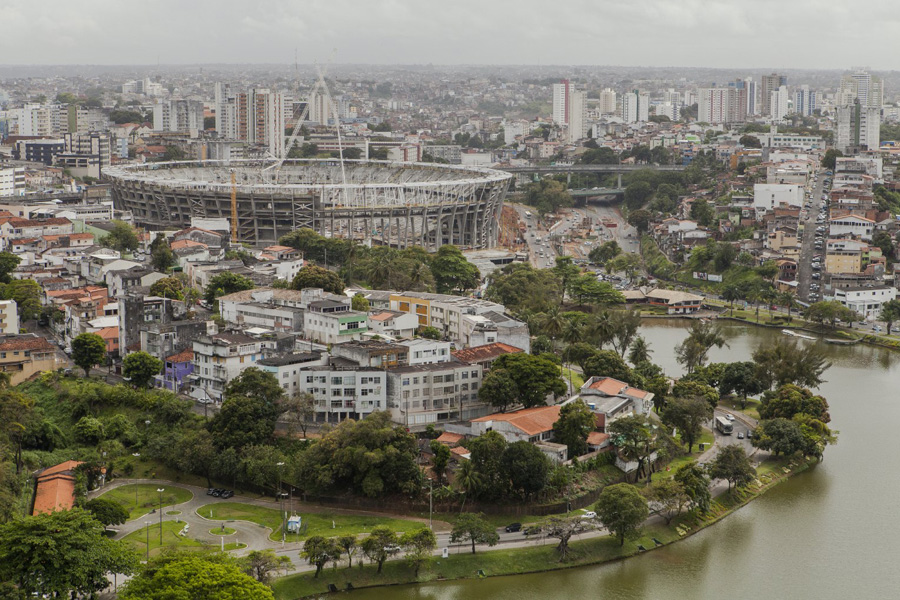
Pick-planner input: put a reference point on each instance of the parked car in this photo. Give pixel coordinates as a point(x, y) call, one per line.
point(730, 417)
point(532, 530)
point(226, 494)
point(740, 435)
point(513, 527)
point(589, 515)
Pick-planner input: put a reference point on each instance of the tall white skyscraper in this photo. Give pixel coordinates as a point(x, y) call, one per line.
point(714, 105)
point(752, 104)
point(255, 116)
point(561, 94)
point(779, 103)
point(862, 86)
point(769, 84)
point(805, 101)
point(608, 101)
point(857, 127)
point(636, 107)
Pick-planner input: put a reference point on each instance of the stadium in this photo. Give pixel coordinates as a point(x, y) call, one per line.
point(397, 204)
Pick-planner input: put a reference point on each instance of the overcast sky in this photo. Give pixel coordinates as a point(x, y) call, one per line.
point(703, 33)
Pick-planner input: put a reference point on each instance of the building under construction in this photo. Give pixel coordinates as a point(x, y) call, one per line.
point(397, 204)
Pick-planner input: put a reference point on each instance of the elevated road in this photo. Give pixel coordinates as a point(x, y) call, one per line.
point(550, 169)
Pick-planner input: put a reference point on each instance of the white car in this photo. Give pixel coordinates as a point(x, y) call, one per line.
point(589, 515)
point(730, 417)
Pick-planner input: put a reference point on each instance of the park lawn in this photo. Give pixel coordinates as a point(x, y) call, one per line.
point(315, 523)
point(466, 565)
point(137, 540)
point(147, 497)
point(577, 379)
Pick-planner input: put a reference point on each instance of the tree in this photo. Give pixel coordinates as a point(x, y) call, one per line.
point(121, 237)
point(475, 529)
point(547, 196)
point(373, 457)
point(452, 272)
point(27, 294)
point(257, 384)
point(667, 498)
point(640, 219)
point(318, 550)
point(688, 388)
point(784, 361)
point(525, 467)
point(312, 276)
point(733, 465)
point(429, 333)
point(348, 545)
point(88, 350)
point(695, 482)
point(61, 553)
point(486, 452)
point(640, 351)
point(587, 289)
point(688, 415)
point(168, 287)
point(8, 264)
point(780, 436)
point(693, 351)
point(563, 528)
point(298, 409)
point(243, 421)
point(575, 423)
point(750, 141)
point(260, 564)
point(830, 312)
point(742, 379)
point(890, 312)
point(703, 212)
point(829, 160)
point(468, 478)
point(440, 459)
point(498, 389)
point(790, 400)
point(604, 252)
point(629, 264)
point(622, 509)
point(607, 363)
point(224, 284)
point(519, 286)
point(632, 438)
point(379, 545)
point(162, 257)
point(194, 575)
point(106, 511)
point(637, 194)
point(418, 544)
point(140, 368)
point(359, 303)
point(535, 377)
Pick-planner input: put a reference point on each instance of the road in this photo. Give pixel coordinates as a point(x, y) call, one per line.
point(807, 247)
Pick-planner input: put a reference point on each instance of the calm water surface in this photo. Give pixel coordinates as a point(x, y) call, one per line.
point(830, 533)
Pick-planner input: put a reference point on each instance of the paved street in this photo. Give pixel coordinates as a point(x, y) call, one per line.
point(807, 249)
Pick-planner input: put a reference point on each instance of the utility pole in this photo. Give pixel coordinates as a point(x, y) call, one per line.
point(160, 490)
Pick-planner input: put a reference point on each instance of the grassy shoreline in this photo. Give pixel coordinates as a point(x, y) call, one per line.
point(518, 561)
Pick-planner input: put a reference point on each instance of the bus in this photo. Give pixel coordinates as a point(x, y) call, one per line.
point(724, 426)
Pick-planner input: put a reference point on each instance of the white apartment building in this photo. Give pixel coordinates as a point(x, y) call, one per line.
point(636, 107)
point(607, 104)
point(393, 324)
point(178, 115)
point(561, 93)
point(779, 103)
point(713, 105)
point(766, 196)
point(345, 391)
point(9, 317)
point(434, 393)
point(220, 358)
point(12, 181)
point(857, 127)
point(858, 227)
point(867, 301)
point(423, 351)
point(290, 369)
point(331, 322)
point(805, 101)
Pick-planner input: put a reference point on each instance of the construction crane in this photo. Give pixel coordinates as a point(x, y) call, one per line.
point(234, 218)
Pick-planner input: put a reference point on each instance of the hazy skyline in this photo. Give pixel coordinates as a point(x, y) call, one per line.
point(814, 34)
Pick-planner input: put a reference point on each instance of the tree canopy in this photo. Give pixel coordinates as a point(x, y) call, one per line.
point(88, 350)
point(224, 284)
point(194, 575)
point(535, 377)
point(623, 510)
point(452, 272)
point(575, 423)
point(312, 276)
point(141, 368)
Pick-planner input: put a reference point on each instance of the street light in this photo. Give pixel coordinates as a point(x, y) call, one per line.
point(430, 503)
point(280, 466)
point(160, 490)
point(148, 539)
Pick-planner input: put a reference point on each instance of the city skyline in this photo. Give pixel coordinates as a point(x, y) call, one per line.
point(654, 33)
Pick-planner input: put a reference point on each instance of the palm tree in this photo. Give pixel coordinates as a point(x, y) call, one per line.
point(602, 328)
point(788, 299)
point(640, 351)
point(730, 294)
point(468, 478)
point(418, 275)
point(378, 271)
point(553, 323)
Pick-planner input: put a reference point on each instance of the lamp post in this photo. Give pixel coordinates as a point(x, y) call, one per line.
point(430, 503)
point(160, 490)
point(280, 466)
point(148, 540)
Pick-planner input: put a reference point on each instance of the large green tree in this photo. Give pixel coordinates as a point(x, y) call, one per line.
point(694, 350)
point(452, 272)
point(318, 550)
point(743, 379)
point(60, 554)
point(168, 287)
point(141, 368)
point(790, 400)
point(688, 415)
point(535, 377)
point(8, 264)
point(224, 284)
point(379, 545)
point(695, 481)
point(121, 237)
point(520, 287)
point(475, 529)
point(575, 423)
point(623, 510)
point(499, 389)
point(733, 465)
point(194, 575)
point(785, 361)
point(88, 350)
point(418, 546)
point(667, 498)
point(106, 511)
point(637, 194)
point(526, 469)
point(255, 383)
point(312, 276)
point(243, 421)
point(27, 294)
point(779, 436)
point(890, 312)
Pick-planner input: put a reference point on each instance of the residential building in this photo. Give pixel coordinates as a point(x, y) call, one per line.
point(867, 301)
point(12, 181)
point(714, 105)
point(485, 355)
point(372, 353)
point(532, 425)
point(255, 116)
point(636, 107)
point(85, 155)
point(331, 322)
point(421, 351)
point(607, 104)
point(805, 101)
point(857, 127)
point(220, 358)
point(9, 317)
point(392, 323)
point(858, 227)
point(176, 369)
point(767, 85)
point(178, 115)
point(342, 390)
point(42, 150)
point(768, 196)
point(434, 393)
point(614, 399)
point(290, 369)
point(779, 105)
point(23, 356)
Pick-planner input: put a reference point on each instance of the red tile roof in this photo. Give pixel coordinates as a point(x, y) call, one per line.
point(181, 357)
point(24, 342)
point(595, 438)
point(479, 354)
point(55, 488)
point(531, 421)
point(450, 438)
